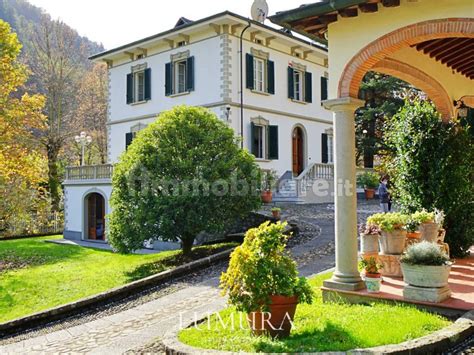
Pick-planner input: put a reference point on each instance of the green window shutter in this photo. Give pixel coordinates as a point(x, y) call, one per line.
point(148, 84)
point(253, 137)
point(291, 86)
point(308, 87)
point(249, 71)
point(129, 88)
point(324, 148)
point(273, 142)
point(128, 139)
point(190, 74)
point(168, 79)
point(270, 77)
point(324, 88)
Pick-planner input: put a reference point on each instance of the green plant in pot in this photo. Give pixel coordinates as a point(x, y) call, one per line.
point(425, 264)
point(371, 274)
point(262, 280)
point(369, 238)
point(428, 227)
point(276, 212)
point(369, 181)
point(268, 183)
point(412, 229)
point(392, 231)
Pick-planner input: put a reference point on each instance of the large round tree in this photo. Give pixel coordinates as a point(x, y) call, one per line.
point(183, 174)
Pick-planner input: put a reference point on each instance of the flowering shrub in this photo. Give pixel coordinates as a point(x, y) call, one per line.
point(424, 253)
point(260, 268)
point(388, 221)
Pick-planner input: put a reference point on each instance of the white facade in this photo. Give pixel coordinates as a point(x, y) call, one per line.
point(214, 45)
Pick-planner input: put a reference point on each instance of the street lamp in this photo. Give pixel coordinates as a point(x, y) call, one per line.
point(83, 139)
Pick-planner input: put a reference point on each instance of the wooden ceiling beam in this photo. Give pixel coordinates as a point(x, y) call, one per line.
point(428, 44)
point(369, 7)
point(454, 56)
point(465, 59)
point(327, 19)
point(391, 3)
point(349, 12)
point(448, 46)
point(314, 27)
point(465, 65)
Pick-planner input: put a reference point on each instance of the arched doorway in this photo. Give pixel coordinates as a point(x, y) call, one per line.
point(298, 151)
point(94, 204)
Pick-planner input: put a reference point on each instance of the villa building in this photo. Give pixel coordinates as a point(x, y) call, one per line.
point(278, 113)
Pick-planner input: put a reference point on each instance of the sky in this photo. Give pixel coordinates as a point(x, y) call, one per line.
point(117, 22)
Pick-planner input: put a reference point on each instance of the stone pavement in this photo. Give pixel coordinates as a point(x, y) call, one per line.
point(133, 328)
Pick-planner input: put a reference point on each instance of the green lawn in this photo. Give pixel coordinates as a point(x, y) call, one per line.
point(35, 275)
point(321, 327)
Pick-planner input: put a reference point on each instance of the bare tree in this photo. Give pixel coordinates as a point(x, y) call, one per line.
point(92, 111)
point(56, 70)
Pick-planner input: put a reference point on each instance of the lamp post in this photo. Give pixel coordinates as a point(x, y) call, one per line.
point(83, 139)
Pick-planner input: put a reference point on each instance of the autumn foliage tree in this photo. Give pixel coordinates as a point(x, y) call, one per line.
point(22, 165)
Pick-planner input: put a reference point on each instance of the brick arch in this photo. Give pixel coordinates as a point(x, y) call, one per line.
point(389, 43)
point(419, 79)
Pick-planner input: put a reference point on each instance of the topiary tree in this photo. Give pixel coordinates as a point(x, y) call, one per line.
point(182, 175)
point(432, 167)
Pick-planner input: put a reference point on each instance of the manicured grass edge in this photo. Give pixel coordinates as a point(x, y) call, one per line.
point(435, 342)
point(68, 309)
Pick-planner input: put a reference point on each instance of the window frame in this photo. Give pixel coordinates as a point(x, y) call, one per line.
point(298, 87)
point(137, 86)
point(263, 82)
point(176, 76)
point(262, 137)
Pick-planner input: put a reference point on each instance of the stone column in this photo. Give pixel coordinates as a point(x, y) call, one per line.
point(346, 275)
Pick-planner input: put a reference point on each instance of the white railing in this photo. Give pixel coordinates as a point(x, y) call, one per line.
point(89, 172)
point(312, 172)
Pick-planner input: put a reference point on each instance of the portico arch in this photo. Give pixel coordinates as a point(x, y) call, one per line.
point(421, 80)
point(368, 57)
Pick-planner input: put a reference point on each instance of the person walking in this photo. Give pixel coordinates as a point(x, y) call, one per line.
point(384, 195)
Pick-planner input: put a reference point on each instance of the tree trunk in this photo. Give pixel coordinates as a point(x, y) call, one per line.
point(187, 245)
point(53, 176)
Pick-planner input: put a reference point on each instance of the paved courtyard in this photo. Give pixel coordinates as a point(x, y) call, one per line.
point(136, 324)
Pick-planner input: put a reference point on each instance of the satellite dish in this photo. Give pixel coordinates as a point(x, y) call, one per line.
point(259, 10)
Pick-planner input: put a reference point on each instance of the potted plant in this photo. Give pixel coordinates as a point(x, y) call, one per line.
point(369, 181)
point(424, 264)
point(412, 229)
point(269, 178)
point(392, 231)
point(262, 280)
point(276, 212)
point(369, 238)
point(371, 274)
point(428, 227)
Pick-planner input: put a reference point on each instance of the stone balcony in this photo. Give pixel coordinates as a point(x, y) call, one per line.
point(89, 174)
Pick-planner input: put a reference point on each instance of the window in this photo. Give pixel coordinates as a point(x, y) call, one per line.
point(298, 85)
point(139, 85)
point(260, 73)
point(130, 136)
point(179, 76)
point(264, 139)
point(330, 149)
point(259, 142)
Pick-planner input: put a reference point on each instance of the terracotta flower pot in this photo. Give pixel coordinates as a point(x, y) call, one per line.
point(414, 235)
point(392, 242)
point(369, 194)
point(266, 196)
point(277, 322)
point(429, 231)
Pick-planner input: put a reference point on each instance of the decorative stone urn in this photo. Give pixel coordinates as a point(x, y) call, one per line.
point(426, 283)
point(426, 275)
point(369, 243)
point(392, 242)
point(429, 231)
point(391, 265)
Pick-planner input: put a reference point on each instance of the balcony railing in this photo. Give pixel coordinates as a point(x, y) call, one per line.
point(89, 172)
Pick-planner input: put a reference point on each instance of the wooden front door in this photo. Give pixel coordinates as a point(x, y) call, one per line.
point(297, 148)
point(95, 216)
